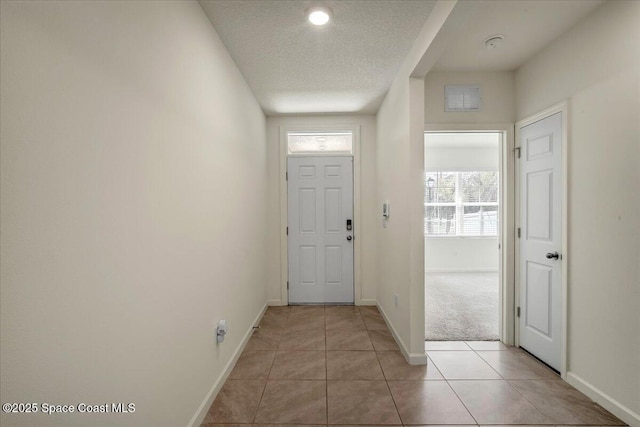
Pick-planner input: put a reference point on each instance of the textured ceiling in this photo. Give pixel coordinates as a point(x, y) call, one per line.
point(527, 25)
point(294, 67)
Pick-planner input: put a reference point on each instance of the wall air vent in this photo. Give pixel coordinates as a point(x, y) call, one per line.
point(462, 98)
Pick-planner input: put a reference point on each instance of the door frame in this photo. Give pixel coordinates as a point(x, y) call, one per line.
point(562, 107)
point(284, 202)
point(506, 239)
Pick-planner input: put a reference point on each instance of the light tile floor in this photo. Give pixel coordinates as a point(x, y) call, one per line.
point(340, 365)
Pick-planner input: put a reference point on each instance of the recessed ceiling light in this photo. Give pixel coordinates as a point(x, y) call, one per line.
point(319, 15)
point(493, 41)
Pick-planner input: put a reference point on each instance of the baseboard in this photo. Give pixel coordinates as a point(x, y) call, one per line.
point(604, 400)
point(275, 303)
point(411, 358)
point(198, 417)
point(460, 270)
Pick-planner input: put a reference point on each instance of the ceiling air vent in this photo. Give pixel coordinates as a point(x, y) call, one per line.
point(461, 98)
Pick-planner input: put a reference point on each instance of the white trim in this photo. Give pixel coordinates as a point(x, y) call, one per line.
point(275, 303)
point(506, 238)
point(603, 399)
point(562, 107)
point(370, 302)
point(463, 237)
point(411, 358)
point(461, 270)
point(461, 169)
point(357, 216)
point(467, 127)
point(507, 231)
point(202, 410)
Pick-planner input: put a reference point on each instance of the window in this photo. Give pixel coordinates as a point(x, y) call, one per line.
point(461, 203)
point(339, 142)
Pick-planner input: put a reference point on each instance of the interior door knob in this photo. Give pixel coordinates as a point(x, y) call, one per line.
point(553, 255)
point(349, 238)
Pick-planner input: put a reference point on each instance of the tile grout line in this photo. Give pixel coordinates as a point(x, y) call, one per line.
point(435, 367)
point(462, 402)
point(385, 378)
point(395, 405)
point(269, 373)
point(488, 364)
point(471, 379)
point(326, 371)
point(386, 381)
point(530, 402)
point(507, 379)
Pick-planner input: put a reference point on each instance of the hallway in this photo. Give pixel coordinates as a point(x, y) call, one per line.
point(320, 365)
point(144, 151)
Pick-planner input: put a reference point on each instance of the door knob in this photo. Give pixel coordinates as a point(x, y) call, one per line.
point(349, 238)
point(554, 255)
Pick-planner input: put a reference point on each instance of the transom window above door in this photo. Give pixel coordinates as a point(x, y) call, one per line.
point(337, 142)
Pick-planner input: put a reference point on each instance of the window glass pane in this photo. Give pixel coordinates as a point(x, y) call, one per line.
point(440, 187)
point(320, 142)
point(478, 187)
point(480, 221)
point(440, 221)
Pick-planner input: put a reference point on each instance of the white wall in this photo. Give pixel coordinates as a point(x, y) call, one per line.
point(370, 212)
point(400, 181)
point(442, 159)
point(461, 254)
point(133, 208)
point(497, 88)
point(597, 67)
point(392, 158)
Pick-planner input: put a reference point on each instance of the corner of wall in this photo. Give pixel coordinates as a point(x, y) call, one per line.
point(201, 412)
point(609, 403)
point(412, 358)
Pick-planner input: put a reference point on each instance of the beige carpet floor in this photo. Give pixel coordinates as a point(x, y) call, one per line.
point(461, 306)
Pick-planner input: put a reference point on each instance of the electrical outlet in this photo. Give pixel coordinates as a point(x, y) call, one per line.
point(395, 299)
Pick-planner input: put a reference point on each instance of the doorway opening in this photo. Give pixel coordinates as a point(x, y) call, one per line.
point(462, 227)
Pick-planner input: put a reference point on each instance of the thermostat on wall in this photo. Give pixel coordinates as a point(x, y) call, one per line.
point(460, 98)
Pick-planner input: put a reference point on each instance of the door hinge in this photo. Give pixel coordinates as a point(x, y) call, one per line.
point(286, 176)
point(518, 232)
point(518, 311)
point(517, 150)
point(287, 285)
point(287, 231)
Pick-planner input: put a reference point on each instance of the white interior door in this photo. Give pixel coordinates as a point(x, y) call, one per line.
point(541, 239)
point(320, 240)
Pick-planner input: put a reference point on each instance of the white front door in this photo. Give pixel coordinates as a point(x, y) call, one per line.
point(540, 261)
point(320, 218)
